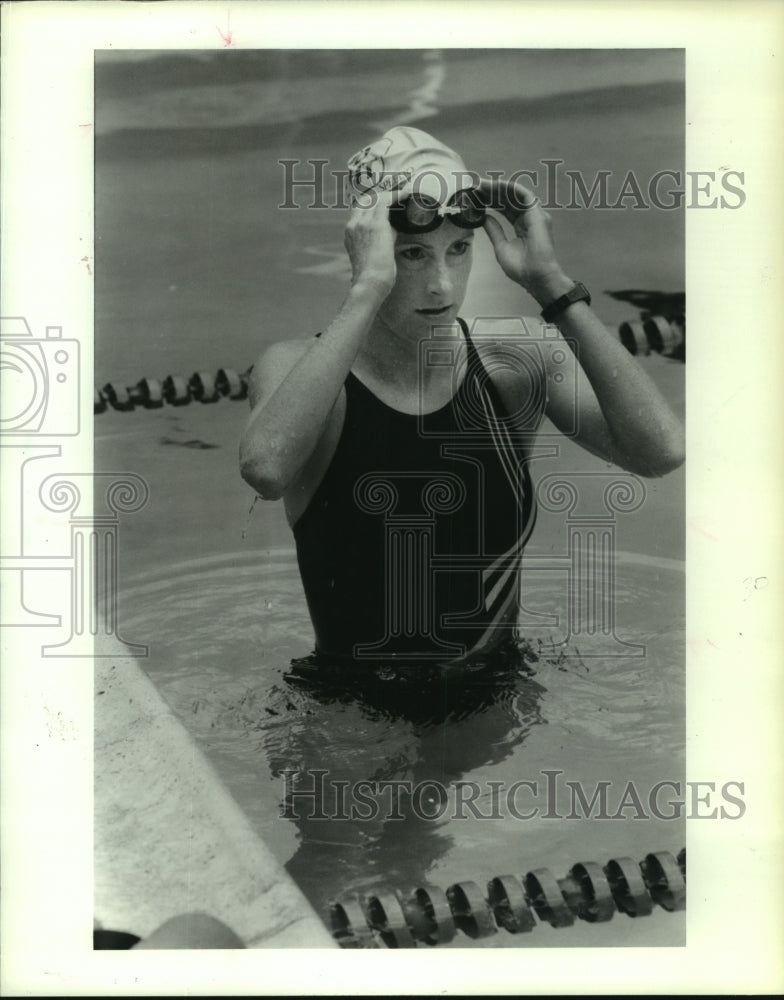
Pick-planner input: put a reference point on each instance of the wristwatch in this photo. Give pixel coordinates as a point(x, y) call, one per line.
point(578, 293)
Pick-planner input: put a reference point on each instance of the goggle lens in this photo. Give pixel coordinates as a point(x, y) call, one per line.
point(472, 211)
point(421, 214)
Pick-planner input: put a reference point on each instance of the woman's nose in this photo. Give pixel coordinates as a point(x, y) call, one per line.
point(439, 279)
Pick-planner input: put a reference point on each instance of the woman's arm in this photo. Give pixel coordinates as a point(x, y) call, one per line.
point(293, 389)
point(621, 416)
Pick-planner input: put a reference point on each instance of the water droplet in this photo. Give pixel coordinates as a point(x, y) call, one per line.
point(250, 511)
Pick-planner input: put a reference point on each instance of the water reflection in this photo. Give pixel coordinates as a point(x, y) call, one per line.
point(222, 634)
point(382, 768)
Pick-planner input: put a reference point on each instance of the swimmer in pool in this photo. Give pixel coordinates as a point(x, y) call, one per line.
point(400, 443)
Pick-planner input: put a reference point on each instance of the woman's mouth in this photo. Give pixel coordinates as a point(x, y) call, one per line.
point(435, 312)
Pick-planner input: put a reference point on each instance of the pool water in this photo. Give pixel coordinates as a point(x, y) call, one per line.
point(222, 632)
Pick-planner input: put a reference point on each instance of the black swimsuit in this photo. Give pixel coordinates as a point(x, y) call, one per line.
point(410, 548)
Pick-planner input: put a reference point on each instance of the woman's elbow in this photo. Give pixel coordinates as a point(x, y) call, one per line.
point(666, 465)
point(673, 450)
point(262, 475)
point(669, 457)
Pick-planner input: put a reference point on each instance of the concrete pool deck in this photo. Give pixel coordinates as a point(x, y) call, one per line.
point(169, 838)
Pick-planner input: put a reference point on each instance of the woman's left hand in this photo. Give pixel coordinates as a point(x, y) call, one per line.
point(528, 257)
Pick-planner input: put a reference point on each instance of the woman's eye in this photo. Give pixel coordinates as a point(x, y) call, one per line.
point(412, 253)
point(461, 248)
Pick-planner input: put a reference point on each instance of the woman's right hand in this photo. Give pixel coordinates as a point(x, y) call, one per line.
point(370, 241)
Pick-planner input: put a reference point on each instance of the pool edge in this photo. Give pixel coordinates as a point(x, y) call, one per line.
point(168, 836)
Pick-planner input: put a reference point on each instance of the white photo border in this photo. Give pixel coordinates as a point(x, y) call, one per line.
point(734, 66)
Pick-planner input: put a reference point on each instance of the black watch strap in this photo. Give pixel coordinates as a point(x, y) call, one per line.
point(578, 293)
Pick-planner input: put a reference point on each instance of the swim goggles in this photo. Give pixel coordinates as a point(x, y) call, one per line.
point(422, 214)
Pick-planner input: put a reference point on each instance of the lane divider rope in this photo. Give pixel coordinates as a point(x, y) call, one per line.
point(665, 335)
point(430, 915)
point(660, 334)
point(176, 390)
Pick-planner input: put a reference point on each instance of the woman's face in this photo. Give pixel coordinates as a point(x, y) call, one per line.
point(432, 274)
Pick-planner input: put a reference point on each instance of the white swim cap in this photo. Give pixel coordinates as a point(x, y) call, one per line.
point(407, 158)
